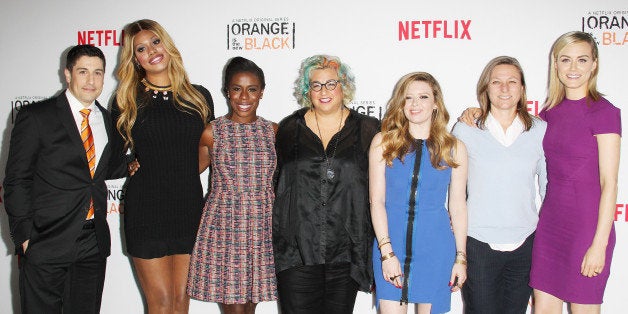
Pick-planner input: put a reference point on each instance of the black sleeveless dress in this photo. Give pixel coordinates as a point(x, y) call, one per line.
point(164, 199)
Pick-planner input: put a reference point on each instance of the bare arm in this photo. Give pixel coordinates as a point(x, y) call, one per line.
point(391, 267)
point(458, 212)
point(205, 146)
point(608, 149)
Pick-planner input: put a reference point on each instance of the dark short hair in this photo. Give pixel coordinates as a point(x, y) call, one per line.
point(82, 50)
point(238, 65)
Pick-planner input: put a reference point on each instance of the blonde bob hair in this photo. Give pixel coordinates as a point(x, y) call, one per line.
point(130, 73)
point(396, 138)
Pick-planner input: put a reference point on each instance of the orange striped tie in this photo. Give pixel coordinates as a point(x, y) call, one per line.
point(90, 151)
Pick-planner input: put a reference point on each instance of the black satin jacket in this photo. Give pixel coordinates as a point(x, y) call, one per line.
point(317, 220)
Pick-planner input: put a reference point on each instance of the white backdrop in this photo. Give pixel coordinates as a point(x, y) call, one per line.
point(453, 40)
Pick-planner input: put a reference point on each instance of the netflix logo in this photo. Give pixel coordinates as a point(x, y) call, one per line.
point(445, 29)
point(620, 213)
point(102, 37)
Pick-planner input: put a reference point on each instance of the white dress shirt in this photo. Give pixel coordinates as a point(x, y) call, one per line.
point(507, 137)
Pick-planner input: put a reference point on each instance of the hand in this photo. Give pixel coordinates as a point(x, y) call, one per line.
point(25, 246)
point(469, 116)
point(593, 261)
point(133, 166)
point(458, 271)
point(391, 270)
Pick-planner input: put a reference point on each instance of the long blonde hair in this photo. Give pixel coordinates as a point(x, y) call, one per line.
point(130, 73)
point(396, 138)
point(556, 89)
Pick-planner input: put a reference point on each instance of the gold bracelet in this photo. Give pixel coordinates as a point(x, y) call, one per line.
point(383, 238)
point(387, 256)
point(460, 261)
point(380, 246)
point(461, 253)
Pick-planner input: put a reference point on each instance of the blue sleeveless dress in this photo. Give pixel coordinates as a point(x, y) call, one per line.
point(432, 249)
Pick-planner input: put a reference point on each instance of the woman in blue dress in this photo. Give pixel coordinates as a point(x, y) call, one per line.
point(419, 251)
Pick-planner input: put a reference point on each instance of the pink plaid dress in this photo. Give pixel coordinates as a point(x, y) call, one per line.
point(232, 261)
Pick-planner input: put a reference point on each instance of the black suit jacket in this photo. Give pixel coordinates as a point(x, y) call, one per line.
point(48, 185)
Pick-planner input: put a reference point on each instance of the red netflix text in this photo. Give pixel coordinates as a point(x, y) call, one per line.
point(452, 29)
point(620, 210)
point(533, 107)
point(103, 37)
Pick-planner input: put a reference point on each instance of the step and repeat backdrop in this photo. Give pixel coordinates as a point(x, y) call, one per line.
point(381, 41)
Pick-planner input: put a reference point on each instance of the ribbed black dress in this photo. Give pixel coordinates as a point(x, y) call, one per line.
point(164, 199)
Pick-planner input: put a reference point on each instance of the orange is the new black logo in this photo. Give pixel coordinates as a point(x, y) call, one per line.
point(261, 33)
point(610, 28)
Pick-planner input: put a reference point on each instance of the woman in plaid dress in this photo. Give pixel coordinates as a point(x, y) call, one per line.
point(232, 262)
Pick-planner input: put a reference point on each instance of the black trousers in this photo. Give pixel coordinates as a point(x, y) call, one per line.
point(497, 281)
point(68, 287)
point(326, 288)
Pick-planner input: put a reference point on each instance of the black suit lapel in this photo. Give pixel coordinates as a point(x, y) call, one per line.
point(107, 118)
point(104, 157)
point(66, 117)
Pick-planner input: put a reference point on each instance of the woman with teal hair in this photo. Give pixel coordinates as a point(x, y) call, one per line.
point(321, 226)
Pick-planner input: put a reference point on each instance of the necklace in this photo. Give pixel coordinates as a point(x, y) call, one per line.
point(330, 171)
point(156, 89)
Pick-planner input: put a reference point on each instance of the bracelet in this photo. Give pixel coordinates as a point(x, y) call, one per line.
point(460, 261)
point(387, 256)
point(383, 238)
point(380, 246)
point(461, 253)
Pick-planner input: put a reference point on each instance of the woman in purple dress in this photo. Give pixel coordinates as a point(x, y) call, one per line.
point(575, 236)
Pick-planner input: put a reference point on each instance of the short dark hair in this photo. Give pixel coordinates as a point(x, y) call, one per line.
point(83, 50)
point(239, 65)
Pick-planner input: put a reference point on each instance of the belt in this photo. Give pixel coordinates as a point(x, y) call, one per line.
point(89, 224)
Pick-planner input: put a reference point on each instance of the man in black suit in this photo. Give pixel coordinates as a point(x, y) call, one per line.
point(51, 191)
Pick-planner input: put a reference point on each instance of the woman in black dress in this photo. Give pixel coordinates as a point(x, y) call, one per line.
point(160, 117)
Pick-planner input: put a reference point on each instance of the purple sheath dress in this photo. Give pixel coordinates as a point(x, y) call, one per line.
point(569, 215)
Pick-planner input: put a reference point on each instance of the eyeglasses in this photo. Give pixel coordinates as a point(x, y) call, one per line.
point(329, 85)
